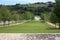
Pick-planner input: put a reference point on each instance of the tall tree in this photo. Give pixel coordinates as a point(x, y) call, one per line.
point(4, 14)
point(15, 16)
point(53, 18)
point(57, 11)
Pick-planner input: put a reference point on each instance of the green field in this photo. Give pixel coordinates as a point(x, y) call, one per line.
point(30, 27)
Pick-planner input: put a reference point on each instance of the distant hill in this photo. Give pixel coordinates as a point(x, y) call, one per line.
point(36, 8)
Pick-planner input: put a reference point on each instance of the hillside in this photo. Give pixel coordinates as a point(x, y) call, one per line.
point(36, 8)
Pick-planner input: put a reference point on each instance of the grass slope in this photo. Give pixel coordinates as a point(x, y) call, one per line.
point(30, 27)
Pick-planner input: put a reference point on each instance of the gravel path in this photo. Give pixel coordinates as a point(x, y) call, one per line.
point(12, 36)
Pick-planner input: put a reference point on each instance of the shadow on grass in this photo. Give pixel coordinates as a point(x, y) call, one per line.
point(42, 21)
point(52, 28)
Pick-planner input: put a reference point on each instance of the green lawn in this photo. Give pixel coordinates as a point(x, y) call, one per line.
point(30, 27)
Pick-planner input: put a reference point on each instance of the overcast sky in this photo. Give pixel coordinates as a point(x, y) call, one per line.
point(12, 2)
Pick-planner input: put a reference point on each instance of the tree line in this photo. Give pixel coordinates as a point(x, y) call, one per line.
point(7, 15)
point(54, 15)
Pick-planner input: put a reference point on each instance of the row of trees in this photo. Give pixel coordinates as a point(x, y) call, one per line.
point(7, 15)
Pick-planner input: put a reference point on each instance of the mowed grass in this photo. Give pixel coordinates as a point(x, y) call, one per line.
point(30, 27)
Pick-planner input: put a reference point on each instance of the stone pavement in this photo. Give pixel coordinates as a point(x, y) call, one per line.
point(21, 36)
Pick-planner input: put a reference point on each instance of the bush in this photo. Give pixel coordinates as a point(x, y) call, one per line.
point(28, 15)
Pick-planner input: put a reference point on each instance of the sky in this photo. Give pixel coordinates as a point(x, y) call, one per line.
point(12, 2)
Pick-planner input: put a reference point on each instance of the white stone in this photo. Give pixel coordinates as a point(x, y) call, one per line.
point(37, 18)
